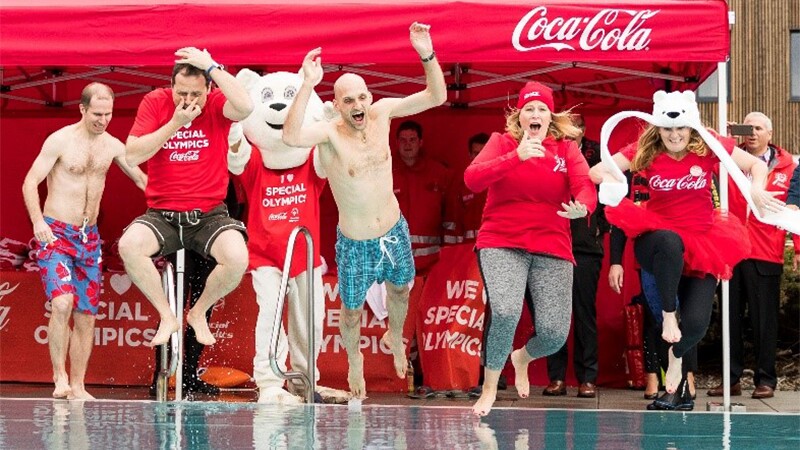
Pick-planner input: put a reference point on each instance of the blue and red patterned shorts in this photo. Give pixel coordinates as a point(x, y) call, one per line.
point(72, 265)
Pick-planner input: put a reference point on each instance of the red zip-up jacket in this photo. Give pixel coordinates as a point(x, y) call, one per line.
point(768, 241)
point(524, 196)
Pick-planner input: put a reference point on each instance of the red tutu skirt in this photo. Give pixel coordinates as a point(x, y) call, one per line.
point(714, 251)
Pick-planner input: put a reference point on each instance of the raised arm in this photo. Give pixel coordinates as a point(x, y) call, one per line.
point(39, 170)
point(492, 163)
point(294, 134)
point(237, 102)
point(435, 92)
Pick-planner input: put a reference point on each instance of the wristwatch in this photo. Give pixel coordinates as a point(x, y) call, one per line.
point(214, 66)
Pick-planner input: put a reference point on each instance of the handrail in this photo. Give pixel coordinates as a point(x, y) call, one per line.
point(309, 379)
point(170, 367)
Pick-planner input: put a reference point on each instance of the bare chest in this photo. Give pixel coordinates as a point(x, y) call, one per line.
point(361, 161)
point(89, 161)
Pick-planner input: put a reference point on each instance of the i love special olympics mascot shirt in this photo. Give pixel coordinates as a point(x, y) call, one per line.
point(279, 201)
point(190, 170)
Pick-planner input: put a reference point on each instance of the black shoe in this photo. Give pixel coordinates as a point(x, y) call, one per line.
point(680, 400)
point(152, 390)
point(196, 385)
point(502, 384)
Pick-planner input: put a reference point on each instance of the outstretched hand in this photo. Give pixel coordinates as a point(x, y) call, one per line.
point(312, 67)
point(421, 39)
point(196, 57)
point(574, 210)
point(765, 200)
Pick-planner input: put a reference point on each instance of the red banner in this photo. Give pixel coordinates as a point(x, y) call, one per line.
point(451, 321)
point(126, 320)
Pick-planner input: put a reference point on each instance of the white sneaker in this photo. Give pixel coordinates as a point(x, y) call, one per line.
point(277, 396)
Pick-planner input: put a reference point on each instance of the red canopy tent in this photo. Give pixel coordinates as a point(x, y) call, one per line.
point(600, 57)
point(604, 56)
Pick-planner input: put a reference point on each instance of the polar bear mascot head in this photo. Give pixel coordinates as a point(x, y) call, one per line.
point(272, 95)
point(676, 109)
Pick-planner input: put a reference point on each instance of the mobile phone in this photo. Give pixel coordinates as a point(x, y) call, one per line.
point(741, 130)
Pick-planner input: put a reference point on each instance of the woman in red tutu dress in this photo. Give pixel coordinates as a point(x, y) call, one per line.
point(679, 237)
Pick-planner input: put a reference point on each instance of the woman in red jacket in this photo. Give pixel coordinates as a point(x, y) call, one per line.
point(532, 173)
point(679, 238)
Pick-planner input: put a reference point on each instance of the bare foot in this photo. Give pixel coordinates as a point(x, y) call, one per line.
point(520, 362)
point(399, 353)
point(355, 377)
point(201, 329)
point(62, 389)
point(670, 332)
point(166, 327)
point(79, 393)
point(674, 373)
point(485, 402)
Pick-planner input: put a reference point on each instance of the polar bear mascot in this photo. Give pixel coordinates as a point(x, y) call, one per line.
point(283, 186)
point(679, 109)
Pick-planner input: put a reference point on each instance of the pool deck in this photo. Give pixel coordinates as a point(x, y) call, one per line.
point(607, 399)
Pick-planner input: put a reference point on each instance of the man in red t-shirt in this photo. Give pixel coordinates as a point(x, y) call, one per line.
point(182, 133)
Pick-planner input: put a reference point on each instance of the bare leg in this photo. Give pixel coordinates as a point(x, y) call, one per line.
point(690, 381)
point(230, 252)
point(488, 394)
point(135, 248)
point(79, 351)
point(652, 384)
point(674, 372)
point(350, 327)
point(670, 331)
point(520, 359)
point(58, 341)
point(397, 304)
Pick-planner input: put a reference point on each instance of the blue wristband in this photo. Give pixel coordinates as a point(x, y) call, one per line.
point(214, 66)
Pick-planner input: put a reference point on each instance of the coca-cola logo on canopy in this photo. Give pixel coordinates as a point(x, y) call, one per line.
point(608, 29)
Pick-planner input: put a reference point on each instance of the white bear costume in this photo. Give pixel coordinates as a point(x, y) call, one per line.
point(679, 109)
point(272, 95)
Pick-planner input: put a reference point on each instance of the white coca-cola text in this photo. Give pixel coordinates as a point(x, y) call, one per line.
point(278, 216)
point(684, 183)
point(601, 31)
point(191, 155)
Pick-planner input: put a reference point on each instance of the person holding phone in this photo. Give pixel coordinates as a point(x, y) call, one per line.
point(756, 281)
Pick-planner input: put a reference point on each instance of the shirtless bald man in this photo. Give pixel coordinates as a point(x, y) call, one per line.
point(372, 243)
point(75, 160)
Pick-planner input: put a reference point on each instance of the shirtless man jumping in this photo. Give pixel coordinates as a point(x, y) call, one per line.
point(75, 160)
point(373, 243)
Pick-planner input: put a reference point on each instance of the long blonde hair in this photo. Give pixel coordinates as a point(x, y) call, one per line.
point(651, 145)
point(561, 125)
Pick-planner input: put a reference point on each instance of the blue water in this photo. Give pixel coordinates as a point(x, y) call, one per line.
point(115, 425)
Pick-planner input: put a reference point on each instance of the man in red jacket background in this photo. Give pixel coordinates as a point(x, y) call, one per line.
point(424, 189)
point(756, 281)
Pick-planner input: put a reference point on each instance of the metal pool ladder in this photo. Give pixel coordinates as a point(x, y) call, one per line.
point(174, 291)
point(308, 379)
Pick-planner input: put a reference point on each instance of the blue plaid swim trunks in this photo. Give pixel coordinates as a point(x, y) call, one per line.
point(361, 263)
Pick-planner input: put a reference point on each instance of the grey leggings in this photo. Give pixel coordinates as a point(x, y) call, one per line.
point(506, 271)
